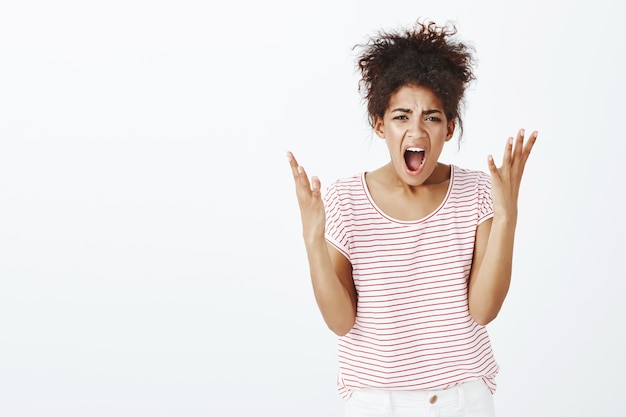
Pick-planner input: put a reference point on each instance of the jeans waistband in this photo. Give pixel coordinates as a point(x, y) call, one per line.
point(417, 397)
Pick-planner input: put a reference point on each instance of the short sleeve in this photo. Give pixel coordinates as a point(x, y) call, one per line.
point(336, 225)
point(485, 201)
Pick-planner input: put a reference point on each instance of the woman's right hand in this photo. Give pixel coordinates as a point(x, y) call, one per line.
point(310, 201)
point(331, 272)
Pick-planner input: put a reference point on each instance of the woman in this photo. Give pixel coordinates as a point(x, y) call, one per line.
point(409, 262)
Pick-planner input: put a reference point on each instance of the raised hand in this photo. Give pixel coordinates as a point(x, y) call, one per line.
point(310, 201)
point(506, 180)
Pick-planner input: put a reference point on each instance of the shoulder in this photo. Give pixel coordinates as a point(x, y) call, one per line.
point(344, 194)
point(468, 173)
point(475, 185)
point(465, 176)
point(346, 186)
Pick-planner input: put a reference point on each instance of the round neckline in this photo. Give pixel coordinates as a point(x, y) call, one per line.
point(423, 219)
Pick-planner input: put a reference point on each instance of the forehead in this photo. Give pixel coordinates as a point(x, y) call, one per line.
point(411, 96)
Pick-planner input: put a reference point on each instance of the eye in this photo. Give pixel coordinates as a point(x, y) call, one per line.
point(433, 119)
point(401, 117)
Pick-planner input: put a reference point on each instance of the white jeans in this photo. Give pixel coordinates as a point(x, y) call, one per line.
point(470, 399)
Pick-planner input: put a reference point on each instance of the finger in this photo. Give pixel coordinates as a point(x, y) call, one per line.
point(299, 174)
point(529, 145)
point(293, 163)
point(303, 179)
point(493, 169)
point(519, 141)
point(316, 187)
point(508, 151)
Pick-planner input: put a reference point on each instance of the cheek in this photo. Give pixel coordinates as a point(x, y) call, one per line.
point(396, 132)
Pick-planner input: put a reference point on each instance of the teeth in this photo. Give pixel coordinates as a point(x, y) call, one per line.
point(415, 150)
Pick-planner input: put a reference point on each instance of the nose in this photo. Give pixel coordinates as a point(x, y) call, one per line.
point(415, 127)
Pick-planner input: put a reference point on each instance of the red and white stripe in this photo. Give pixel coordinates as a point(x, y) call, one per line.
point(413, 329)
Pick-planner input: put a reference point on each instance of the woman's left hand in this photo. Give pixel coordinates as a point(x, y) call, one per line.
point(506, 180)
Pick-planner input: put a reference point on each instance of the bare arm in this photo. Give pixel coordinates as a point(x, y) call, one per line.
point(490, 277)
point(331, 272)
point(331, 276)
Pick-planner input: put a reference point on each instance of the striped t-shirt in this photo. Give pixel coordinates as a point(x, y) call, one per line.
point(413, 330)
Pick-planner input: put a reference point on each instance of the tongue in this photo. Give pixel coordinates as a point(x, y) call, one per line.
point(413, 159)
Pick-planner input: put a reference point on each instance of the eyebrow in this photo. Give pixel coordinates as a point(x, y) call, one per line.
point(426, 112)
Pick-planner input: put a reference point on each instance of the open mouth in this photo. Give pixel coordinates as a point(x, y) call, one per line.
point(414, 159)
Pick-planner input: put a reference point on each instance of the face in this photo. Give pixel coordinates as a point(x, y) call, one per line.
point(415, 128)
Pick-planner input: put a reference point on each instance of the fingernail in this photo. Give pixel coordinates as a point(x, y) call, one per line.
point(521, 132)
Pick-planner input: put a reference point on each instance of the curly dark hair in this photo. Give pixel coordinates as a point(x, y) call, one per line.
point(426, 55)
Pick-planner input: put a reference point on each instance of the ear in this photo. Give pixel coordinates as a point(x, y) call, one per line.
point(379, 127)
point(451, 127)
